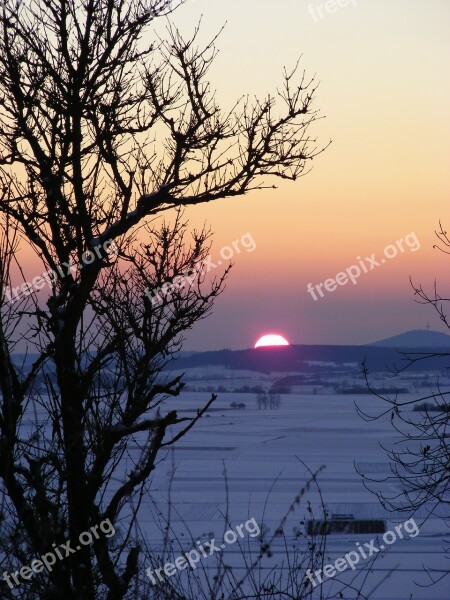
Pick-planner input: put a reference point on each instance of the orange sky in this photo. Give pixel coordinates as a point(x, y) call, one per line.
point(383, 67)
point(385, 91)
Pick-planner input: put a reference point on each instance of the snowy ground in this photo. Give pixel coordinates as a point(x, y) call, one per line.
point(261, 452)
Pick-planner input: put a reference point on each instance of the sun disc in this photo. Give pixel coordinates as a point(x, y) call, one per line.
point(271, 339)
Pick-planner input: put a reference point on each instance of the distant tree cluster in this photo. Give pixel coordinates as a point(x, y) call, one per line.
point(268, 400)
point(246, 389)
point(239, 405)
point(428, 407)
point(356, 389)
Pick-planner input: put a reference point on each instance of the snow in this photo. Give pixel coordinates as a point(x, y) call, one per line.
point(261, 447)
point(261, 452)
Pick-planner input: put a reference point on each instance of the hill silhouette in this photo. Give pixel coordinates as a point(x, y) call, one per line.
point(380, 356)
point(419, 338)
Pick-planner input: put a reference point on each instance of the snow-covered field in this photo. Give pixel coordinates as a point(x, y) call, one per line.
point(247, 463)
point(261, 452)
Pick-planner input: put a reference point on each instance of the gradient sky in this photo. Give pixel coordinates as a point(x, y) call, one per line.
point(384, 89)
point(385, 93)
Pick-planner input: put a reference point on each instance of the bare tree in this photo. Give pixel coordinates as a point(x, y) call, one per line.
point(261, 398)
point(420, 460)
point(101, 134)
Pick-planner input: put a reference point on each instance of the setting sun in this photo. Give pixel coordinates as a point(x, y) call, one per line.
point(272, 339)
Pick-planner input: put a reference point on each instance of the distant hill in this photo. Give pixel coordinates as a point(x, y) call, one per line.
point(315, 359)
point(334, 359)
point(420, 338)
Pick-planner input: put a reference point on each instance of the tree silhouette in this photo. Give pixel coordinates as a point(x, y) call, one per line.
point(420, 459)
point(102, 134)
